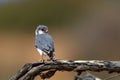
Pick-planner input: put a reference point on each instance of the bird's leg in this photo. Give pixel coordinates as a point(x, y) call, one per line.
point(42, 58)
point(48, 59)
point(53, 58)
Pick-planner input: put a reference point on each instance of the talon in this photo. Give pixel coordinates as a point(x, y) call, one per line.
point(48, 59)
point(43, 61)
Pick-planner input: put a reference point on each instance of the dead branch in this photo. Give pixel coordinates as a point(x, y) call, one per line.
point(47, 69)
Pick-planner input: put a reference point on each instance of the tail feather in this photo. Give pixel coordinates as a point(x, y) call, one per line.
point(50, 54)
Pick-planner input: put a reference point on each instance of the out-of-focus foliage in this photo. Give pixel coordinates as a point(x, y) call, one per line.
point(29, 13)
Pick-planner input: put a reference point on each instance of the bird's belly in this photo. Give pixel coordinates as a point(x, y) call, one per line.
point(41, 52)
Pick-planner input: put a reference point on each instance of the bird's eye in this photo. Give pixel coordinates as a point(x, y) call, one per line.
point(43, 30)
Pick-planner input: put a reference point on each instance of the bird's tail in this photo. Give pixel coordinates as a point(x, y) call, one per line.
point(52, 56)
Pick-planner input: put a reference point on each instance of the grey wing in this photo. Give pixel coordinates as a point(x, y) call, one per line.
point(44, 42)
point(50, 43)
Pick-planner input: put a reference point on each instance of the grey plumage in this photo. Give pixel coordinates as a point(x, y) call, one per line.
point(44, 42)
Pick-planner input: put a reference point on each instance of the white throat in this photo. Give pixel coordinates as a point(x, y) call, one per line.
point(40, 32)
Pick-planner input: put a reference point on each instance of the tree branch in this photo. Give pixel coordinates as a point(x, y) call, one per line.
point(48, 68)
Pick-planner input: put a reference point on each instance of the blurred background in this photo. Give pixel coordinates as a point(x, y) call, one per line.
point(81, 29)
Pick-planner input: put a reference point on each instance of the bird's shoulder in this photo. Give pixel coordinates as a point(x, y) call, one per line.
point(43, 36)
point(45, 39)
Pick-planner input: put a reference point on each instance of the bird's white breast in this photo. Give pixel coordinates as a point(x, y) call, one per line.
point(41, 52)
point(41, 32)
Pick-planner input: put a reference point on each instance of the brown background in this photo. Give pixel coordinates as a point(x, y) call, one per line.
point(81, 29)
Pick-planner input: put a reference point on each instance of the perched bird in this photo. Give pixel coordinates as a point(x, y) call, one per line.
point(44, 42)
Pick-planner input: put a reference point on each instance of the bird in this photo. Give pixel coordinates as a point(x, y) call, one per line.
point(44, 42)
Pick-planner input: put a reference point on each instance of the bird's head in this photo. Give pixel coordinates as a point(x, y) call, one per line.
point(41, 29)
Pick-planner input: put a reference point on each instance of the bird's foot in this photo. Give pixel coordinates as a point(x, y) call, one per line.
point(51, 59)
point(48, 59)
point(42, 61)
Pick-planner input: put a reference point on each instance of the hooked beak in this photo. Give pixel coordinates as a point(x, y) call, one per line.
point(46, 31)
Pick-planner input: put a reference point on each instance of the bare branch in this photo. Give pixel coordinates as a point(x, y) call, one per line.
point(48, 68)
point(48, 74)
